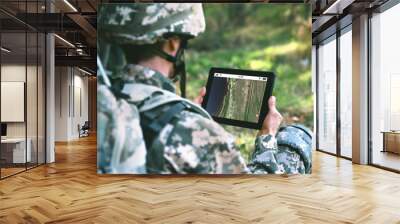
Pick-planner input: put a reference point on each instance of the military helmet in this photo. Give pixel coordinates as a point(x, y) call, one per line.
point(148, 23)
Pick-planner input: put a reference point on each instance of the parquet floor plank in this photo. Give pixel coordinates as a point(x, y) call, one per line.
point(70, 191)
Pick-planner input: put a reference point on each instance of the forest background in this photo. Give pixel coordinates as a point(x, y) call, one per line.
point(266, 37)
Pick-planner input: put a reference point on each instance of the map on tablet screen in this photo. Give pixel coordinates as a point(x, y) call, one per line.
point(236, 97)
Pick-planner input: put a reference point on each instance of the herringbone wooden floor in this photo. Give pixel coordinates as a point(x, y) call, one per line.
point(70, 191)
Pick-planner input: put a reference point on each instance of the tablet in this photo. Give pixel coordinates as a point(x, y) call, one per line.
point(238, 97)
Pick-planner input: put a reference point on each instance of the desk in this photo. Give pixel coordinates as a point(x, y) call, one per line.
point(15, 148)
point(391, 141)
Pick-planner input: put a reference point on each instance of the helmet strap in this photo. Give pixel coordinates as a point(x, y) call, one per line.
point(182, 80)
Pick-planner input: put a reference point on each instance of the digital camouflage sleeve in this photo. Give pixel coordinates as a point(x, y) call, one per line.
point(194, 144)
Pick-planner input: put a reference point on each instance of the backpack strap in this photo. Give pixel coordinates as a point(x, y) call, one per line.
point(166, 117)
point(152, 124)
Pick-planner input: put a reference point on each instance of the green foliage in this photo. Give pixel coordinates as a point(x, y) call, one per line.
point(268, 37)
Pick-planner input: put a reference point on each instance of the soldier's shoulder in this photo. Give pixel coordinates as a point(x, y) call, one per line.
point(133, 73)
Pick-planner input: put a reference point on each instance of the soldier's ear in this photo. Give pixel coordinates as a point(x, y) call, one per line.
point(171, 46)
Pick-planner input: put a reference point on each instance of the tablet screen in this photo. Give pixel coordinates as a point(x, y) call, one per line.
point(236, 97)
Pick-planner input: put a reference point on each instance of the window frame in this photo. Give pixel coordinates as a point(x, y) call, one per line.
point(341, 27)
point(29, 29)
point(381, 9)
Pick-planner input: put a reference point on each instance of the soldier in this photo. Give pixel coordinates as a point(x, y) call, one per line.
point(144, 127)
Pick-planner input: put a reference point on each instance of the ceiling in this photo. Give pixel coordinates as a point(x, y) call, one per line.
point(330, 15)
point(74, 22)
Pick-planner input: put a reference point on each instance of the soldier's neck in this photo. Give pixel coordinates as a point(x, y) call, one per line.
point(158, 64)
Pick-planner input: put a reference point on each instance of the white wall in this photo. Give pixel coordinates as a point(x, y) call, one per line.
point(80, 110)
point(12, 73)
point(12, 100)
point(33, 126)
point(61, 103)
point(71, 94)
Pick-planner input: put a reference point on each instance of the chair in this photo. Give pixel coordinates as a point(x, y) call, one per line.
point(84, 130)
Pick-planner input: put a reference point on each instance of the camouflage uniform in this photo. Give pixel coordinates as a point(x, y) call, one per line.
point(191, 142)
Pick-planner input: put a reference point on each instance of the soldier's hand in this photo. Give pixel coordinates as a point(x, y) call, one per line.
point(272, 120)
point(198, 100)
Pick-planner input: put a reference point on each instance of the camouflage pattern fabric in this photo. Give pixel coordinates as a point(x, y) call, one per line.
point(149, 23)
point(119, 24)
point(277, 159)
point(192, 143)
point(120, 144)
point(291, 153)
point(297, 138)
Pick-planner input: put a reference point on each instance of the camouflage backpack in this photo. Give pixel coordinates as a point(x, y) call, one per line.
point(148, 100)
point(129, 122)
point(118, 130)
